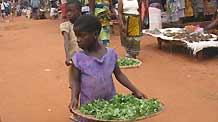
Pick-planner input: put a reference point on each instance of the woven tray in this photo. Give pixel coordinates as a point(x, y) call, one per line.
point(92, 118)
point(132, 66)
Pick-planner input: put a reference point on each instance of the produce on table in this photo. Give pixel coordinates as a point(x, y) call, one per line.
point(190, 28)
point(183, 34)
point(121, 107)
point(127, 62)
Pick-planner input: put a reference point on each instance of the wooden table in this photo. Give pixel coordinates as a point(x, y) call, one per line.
point(171, 43)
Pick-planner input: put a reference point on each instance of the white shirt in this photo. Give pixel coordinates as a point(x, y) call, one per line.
point(2, 6)
point(130, 7)
point(6, 4)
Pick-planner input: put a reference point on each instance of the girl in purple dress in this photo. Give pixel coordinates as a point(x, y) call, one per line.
point(93, 67)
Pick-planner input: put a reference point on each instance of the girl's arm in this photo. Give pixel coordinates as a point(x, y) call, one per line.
point(120, 14)
point(125, 82)
point(140, 12)
point(66, 48)
point(140, 6)
point(75, 87)
point(92, 7)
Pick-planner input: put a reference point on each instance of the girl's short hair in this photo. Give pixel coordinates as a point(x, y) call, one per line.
point(88, 23)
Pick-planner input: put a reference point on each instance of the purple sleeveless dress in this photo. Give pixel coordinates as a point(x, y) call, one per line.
point(96, 76)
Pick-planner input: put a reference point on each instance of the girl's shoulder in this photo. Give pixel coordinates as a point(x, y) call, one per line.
point(112, 54)
point(78, 53)
point(111, 50)
point(77, 58)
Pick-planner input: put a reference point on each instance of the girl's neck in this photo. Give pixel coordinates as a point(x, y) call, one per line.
point(98, 51)
point(94, 48)
point(71, 21)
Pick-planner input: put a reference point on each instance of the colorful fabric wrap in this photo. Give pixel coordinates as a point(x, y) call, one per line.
point(131, 40)
point(102, 12)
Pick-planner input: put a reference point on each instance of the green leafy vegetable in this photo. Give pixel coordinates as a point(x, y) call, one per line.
point(127, 61)
point(121, 107)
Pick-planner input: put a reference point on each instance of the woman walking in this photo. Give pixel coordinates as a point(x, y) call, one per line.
point(130, 25)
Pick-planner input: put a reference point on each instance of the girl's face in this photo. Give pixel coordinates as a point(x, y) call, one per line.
point(72, 12)
point(85, 40)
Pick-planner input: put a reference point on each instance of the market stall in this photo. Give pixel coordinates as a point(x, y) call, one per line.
point(185, 37)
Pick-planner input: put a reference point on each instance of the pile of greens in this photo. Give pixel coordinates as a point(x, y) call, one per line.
point(127, 62)
point(121, 107)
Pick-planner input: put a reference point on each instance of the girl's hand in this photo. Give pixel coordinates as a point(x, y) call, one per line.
point(73, 105)
point(139, 95)
point(123, 29)
point(68, 62)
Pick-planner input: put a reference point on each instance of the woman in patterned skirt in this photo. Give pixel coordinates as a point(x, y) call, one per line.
point(130, 26)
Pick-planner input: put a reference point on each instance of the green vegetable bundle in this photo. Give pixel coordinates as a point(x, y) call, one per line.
point(121, 108)
point(127, 61)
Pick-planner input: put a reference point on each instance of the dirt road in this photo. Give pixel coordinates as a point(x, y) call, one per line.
point(34, 87)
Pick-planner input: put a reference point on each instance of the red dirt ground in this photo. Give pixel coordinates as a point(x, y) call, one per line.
point(34, 87)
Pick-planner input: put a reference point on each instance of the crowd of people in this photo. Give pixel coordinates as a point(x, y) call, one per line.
point(10, 8)
point(6, 9)
point(35, 9)
point(39, 9)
